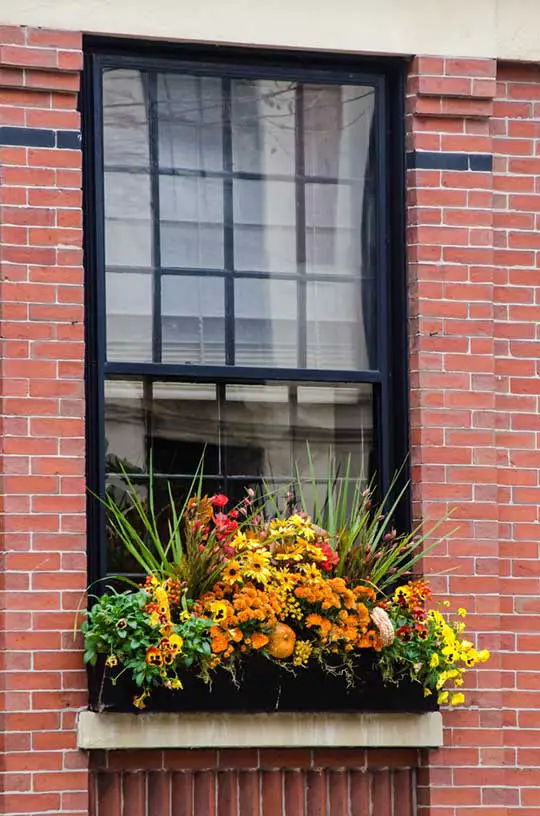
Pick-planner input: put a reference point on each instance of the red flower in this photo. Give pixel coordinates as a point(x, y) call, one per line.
point(219, 500)
point(233, 514)
point(225, 526)
point(332, 557)
point(404, 633)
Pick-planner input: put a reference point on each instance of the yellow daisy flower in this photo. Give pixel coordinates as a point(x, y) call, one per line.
point(257, 567)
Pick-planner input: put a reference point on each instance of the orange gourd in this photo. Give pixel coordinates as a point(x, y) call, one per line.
point(282, 640)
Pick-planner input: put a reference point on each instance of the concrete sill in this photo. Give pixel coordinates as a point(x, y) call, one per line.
point(277, 730)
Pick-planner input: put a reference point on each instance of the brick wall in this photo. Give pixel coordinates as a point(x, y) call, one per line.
point(454, 401)
point(41, 421)
point(475, 305)
point(473, 244)
point(516, 221)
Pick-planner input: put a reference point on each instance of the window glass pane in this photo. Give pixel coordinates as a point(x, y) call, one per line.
point(125, 119)
point(250, 435)
point(185, 425)
point(193, 322)
point(263, 126)
point(257, 431)
point(337, 125)
point(254, 176)
point(336, 334)
point(119, 561)
point(125, 426)
point(333, 233)
point(190, 122)
point(128, 227)
point(191, 222)
point(264, 226)
point(129, 316)
point(266, 323)
point(335, 420)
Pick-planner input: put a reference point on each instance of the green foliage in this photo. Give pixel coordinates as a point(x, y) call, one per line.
point(119, 627)
point(369, 548)
point(184, 552)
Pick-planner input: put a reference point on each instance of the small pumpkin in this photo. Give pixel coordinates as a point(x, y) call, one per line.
point(282, 640)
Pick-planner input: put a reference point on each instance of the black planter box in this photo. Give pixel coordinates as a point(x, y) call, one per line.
point(262, 686)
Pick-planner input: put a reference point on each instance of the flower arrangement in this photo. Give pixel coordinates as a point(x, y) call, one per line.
point(224, 585)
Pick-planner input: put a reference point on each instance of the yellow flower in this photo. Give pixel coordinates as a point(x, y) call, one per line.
point(154, 619)
point(443, 697)
point(470, 658)
point(427, 692)
point(458, 681)
point(161, 597)
point(219, 610)
point(111, 661)
point(175, 683)
point(138, 702)
point(286, 580)
point(434, 662)
point(457, 699)
point(446, 603)
point(450, 654)
point(311, 571)
point(459, 627)
point(302, 652)
point(176, 642)
point(443, 677)
point(232, 573)
point(462, 612)
point(484, 655)
point(438, 620)
point(466, 645)
point(257, 567)
point(402, 593)
point(185, 616)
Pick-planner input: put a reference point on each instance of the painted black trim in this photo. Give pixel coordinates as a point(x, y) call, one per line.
point(27, 137)
point(94, 307)
point(435, 160)
point(481, 161)
point(40, 137)
point(69, 139)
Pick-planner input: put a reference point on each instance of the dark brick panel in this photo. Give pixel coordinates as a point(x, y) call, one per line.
point(255, 783)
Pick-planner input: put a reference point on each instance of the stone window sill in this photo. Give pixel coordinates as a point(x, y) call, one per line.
point(110, 731)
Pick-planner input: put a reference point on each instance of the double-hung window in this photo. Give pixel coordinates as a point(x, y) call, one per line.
point(245, 293)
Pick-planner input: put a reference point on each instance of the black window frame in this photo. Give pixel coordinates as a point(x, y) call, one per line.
point(390, 380)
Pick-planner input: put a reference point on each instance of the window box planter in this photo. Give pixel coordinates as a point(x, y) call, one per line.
point(262, 686)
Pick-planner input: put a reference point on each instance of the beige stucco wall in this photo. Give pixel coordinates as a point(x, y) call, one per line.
point(507, 29)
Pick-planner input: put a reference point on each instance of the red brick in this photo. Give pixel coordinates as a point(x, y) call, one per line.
point(53, 39)
point(183, 794)
point(272, 796)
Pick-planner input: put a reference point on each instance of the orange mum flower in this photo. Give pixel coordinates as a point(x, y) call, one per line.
point(258, 640)
point(219, 639)
point(367, 592)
